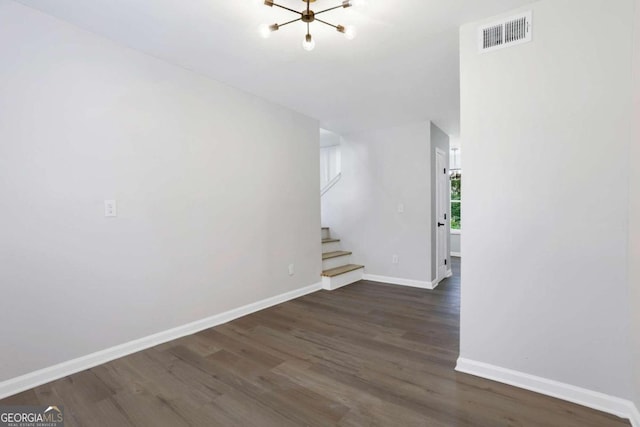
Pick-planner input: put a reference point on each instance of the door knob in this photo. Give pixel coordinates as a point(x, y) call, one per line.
point(441, 224)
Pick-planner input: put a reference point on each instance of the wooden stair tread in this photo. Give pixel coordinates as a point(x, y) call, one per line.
point(335, 254)
point(330, 240)
point(341, 270)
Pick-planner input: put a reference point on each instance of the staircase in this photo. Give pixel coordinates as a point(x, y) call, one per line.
point(336, 269)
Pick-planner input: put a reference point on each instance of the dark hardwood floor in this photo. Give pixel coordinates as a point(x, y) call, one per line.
point(367, 354)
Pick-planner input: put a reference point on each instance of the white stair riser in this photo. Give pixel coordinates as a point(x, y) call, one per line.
point(330, 247)
point(339, 261)
point(332, 283)
point(326, 233)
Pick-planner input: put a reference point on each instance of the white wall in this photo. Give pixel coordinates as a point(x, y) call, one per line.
point(217, 192)
point(634, 213)
point(546, 197)
point(380, 170)
point(456, 243)
point(329, 139)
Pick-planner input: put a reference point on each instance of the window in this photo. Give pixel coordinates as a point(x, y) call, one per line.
point(329, 164)
point(455, 177)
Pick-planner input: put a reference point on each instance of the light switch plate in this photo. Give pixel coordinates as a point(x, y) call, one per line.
point(110, 208)
point(401, 208)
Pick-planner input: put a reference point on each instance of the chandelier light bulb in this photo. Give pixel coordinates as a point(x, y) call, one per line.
point(308, 43)
point(350, 32)
point(264, 31)
point(358, 3)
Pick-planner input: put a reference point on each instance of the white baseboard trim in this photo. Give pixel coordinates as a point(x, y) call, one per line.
point(635, 416)
point(592, 399)
point(436, 282)
point(398, 281)
point(456, 254)
point(52, 373)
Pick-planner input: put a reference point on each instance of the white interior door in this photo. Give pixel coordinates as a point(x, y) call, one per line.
point(442, 214)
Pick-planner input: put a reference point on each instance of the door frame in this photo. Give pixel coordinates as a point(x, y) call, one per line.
point(440, 197)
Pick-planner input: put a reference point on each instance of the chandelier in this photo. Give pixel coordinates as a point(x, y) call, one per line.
point(307, 16)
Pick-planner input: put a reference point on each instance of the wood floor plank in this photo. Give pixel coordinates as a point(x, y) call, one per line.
point(365, 354)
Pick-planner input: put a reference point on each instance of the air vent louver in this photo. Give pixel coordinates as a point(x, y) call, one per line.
point(492, 37)
point(510, 32)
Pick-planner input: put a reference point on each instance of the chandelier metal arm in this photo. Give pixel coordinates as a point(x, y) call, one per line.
point(286, 8)
point(289, 22)
point(331, 8)
point(326, 23)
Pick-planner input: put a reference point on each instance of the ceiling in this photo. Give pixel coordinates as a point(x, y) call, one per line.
point(402, 66)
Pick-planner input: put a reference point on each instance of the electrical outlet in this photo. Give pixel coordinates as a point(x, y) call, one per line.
point(110, 208)
point(395, 259)
point(401, 208)
point(291, 269)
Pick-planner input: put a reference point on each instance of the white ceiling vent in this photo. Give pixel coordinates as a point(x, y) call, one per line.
point(509, 32)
